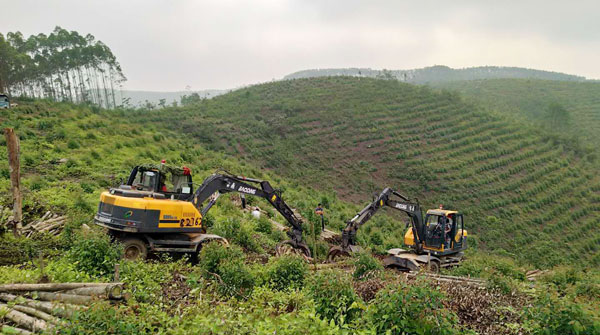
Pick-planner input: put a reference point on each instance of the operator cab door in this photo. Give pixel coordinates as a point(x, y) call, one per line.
point(459, 232)
point(434, 235)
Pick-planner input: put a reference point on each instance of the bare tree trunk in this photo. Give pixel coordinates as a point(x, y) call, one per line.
point(12, 143)
point(112, 89)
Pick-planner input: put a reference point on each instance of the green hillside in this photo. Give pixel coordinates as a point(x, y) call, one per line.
point(525, 192)
point(530, 99)
point(70, 153)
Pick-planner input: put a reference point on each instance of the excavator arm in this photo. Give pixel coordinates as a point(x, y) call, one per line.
point(218, 184)
point(413, 210)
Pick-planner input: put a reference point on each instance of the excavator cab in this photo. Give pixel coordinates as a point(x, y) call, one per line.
point(444, 232)
point(173, 182)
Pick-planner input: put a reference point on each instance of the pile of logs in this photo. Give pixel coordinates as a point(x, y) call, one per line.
point(51, 223)
point(32, 308)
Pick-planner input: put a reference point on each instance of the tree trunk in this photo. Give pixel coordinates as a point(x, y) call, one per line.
point(13, 330)
point(37, 313)
point(62, 297)
point(113, 292)
point(23, 319)
point(12, 143)
point(50, 286)
point(60, 310)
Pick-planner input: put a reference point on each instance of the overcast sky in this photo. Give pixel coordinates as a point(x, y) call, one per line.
point(169, 44)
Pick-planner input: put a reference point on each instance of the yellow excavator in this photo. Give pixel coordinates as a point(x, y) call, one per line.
point(436, 240)
point(156, 210)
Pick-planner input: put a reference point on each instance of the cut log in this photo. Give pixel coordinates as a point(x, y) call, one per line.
point(114, 292)
point(51, 226)
point(23, 320)
point(46, 223)
point(48, 287)
point(61, 297)
point(45, 216)
point(60, 310)
point(13, 330)
point(37, 313)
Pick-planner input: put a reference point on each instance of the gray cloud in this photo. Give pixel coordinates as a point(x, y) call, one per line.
point(166, 45)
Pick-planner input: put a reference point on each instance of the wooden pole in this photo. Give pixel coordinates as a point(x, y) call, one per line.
point(116, 279)
point(12, 143)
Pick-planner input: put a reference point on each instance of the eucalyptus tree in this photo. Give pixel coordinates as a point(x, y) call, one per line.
point(62, 66)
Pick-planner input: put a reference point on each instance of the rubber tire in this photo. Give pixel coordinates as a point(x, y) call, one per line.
point(434, 266)
point(134, 248)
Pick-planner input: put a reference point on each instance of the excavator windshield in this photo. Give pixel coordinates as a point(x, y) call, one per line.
point(145, 181)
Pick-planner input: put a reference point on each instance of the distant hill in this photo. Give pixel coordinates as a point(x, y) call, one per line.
point(439, 73)
point(139, 98)
point(530, 99)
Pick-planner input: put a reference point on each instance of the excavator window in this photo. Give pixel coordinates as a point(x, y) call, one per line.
point(145, 181)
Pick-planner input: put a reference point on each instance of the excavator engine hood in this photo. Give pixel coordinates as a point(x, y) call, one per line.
point(146, 214)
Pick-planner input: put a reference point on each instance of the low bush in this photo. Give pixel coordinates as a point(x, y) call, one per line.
point(559, 316)
point(233, 230)
point(213, 254)
point(264, 225)
point(279, 302)
point(235, 279)
point(287, 272)
point(225, 265)
point(104, 319)
point(367, 266)
point(334, 296)
point(94, 254)
point(408, 310)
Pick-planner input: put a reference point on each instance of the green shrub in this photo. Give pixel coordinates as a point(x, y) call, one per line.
point(264, 225)
point(213, 254)
point(225, 265)
point(562, 277)
point(235, 279)
point(367, 266)
point(94, 254)
point(408, 310)
point(279, 302)
point(334, 296)
point(559, 316)
point(233, 230)
point(104, 319)
point(72, 144)
point(287, 272)
point(208, 221)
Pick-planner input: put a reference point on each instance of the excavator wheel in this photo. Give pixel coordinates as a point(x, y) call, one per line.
point(134, 248)
point(434, 266)
point(287, 248)
point(335, 253)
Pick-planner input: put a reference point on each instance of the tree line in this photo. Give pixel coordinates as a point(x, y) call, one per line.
point(62, 66)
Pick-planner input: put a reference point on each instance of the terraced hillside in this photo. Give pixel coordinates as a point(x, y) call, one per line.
point(530, 98)
point(524, 192)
